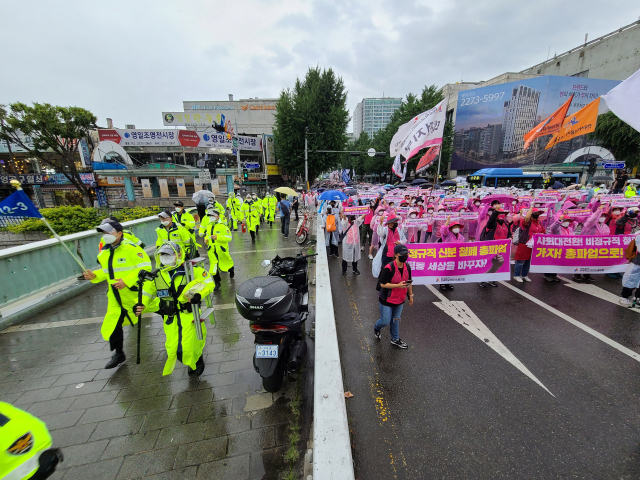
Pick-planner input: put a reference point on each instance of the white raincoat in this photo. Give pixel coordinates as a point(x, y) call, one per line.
point(351, 241)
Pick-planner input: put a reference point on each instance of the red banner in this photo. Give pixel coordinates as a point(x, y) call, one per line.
point(428, 158)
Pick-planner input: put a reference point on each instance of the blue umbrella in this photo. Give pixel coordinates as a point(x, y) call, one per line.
point(332, 195)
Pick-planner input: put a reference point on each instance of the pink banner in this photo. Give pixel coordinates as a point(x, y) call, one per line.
point(459, 262)
point(573, 254)
point(356, 210)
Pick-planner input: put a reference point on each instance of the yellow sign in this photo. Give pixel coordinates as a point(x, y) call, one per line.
point(274, 170)
point(258, 107)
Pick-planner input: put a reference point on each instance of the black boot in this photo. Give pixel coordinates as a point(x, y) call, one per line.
point(116, 360)
point(199, 367)
point(232, 272)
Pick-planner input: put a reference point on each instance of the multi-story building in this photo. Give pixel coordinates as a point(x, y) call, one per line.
point(373, 114)
point(518, 117)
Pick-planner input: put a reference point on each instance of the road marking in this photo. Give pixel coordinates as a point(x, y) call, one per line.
point(576, 323)
point(462, 314)
point(595, 291)
point(87, 321)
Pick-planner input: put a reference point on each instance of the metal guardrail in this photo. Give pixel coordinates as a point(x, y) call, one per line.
point(331, 443)
point(27, 269)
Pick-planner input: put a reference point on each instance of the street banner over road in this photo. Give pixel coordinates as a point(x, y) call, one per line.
point(579, 255)
point(459, 262)
point(177, 138)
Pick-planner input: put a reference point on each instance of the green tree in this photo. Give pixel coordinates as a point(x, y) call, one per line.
point(410, 107)
point(55, 133)
point(619, 138)
point(315, 107)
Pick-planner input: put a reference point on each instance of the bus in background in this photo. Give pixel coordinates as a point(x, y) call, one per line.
point(515, 177)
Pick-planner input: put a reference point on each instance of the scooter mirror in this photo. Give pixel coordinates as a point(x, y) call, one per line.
point(265, 263)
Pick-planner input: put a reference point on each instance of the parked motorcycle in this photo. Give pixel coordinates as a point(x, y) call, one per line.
point(277, 306)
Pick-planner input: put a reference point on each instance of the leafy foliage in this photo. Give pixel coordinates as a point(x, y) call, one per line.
point(618, 137)
point(55, 133)
point(67, 220)
point(410, 107)
point(316, 105)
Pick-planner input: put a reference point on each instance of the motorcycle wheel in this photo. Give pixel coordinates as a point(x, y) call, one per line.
point(301, 238)
point(273, 383)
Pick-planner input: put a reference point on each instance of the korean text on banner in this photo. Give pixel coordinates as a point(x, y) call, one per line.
point(361, 210)
point(580, 123)
point(428, 158)
point(427, 129)
point(459, 262)
point(584, 254)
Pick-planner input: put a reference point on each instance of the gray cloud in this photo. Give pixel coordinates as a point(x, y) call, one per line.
point(132, 60)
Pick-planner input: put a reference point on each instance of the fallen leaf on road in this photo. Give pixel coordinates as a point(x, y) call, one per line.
point(348, 394)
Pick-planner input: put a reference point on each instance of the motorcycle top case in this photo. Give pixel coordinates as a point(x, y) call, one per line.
point(264, 298)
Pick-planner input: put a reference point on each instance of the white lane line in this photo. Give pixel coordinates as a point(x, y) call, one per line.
point(462, 314)
point(87, 321)
point(576, 323)
point(595, 291)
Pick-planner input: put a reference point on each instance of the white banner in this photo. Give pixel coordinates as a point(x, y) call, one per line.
point(624, 100)
point(426, 129)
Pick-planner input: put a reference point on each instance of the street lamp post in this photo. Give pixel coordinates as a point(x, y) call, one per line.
point(306, 158)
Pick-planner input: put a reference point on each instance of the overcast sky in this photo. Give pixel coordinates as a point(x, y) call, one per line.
point(130, 60)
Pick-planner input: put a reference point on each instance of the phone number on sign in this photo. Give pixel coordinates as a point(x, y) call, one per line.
point(485, 98)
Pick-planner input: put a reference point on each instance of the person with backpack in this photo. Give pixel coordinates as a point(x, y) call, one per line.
point(530, 224)
point(285, 215)
point(330, 225)
point(395, 285)
point(350, 233)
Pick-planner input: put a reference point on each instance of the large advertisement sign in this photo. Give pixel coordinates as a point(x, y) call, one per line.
point(433, 263)
point(177, 138)
point(193, 119)
point(491, 121)
point(579, 255)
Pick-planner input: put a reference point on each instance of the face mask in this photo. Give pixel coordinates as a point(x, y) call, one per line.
point(167, 259)
point(513, 203)
point(391, 205)
point(477, 204)
point(108, 238)
point(455, 230)
point(179, 209)
point(566, 224)
point(393, 226)
point(214, 219)
point(602, 219)
point(403, 258)
point(166, 222)
point(412, 216)
point(430, 211)
point(462, 210)
point(420, 204)
point(616, 212)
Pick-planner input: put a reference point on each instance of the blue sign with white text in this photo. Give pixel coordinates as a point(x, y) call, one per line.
point(611, 166)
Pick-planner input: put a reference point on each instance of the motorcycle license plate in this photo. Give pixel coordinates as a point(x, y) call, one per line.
point(266, 351)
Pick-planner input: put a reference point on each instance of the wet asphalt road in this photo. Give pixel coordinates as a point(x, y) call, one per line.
point(452, 407)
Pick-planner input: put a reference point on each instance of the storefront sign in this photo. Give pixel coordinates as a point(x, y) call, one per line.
point(459, 262)
point(146, 188)
point(269, 149)
point(193, 119)
point(274, 170)
point(579, 255)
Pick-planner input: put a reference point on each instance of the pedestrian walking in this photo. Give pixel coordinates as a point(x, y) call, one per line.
point(120, 262)
point(294, 206)
point(217, 237)
point(395, 285)
point(351, 243)
point(330, 225)
point(285, 215)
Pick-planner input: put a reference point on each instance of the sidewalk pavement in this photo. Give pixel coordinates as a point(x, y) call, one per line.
point(131, 422)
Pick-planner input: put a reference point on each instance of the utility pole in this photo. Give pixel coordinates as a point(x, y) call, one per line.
point(306, 158)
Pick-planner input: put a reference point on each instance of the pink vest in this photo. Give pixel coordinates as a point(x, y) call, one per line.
point(398, 295)
point(392, 238)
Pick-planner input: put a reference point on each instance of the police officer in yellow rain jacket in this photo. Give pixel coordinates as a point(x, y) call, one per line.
point(251, 212)
point(270, 201)
point(205, 221)
point(127, 234)
point(233, 205)
point(170, 231)
point(25, 446)
point(177, 299)
point(258, 201)
point(184, 218)
point(121, 261)
point(217, 237)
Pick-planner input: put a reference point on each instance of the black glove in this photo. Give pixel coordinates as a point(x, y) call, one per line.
point(135, 307)
point(195, 300)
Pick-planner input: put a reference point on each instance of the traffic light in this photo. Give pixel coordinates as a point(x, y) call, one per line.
point(592, 167)
point(245, 174)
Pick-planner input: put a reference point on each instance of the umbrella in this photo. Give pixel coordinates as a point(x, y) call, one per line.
point(634, 180)
point(448, 183)
point(419, 181)
point(350, 191)
point(501, 197)
point(286, 191)
point(332, 195)
point(602, 178)
point(202, 196)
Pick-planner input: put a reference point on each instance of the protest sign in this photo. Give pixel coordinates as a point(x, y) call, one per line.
point(579, 255)
point(468, 215)
point(453, 200)
point(356, 210)
point(367, 195)
point(578, 212)
point(393, 198)
point(625, 202)
point(459, 262)
point(525, 198)
point(546, 199)
point(416, 222)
